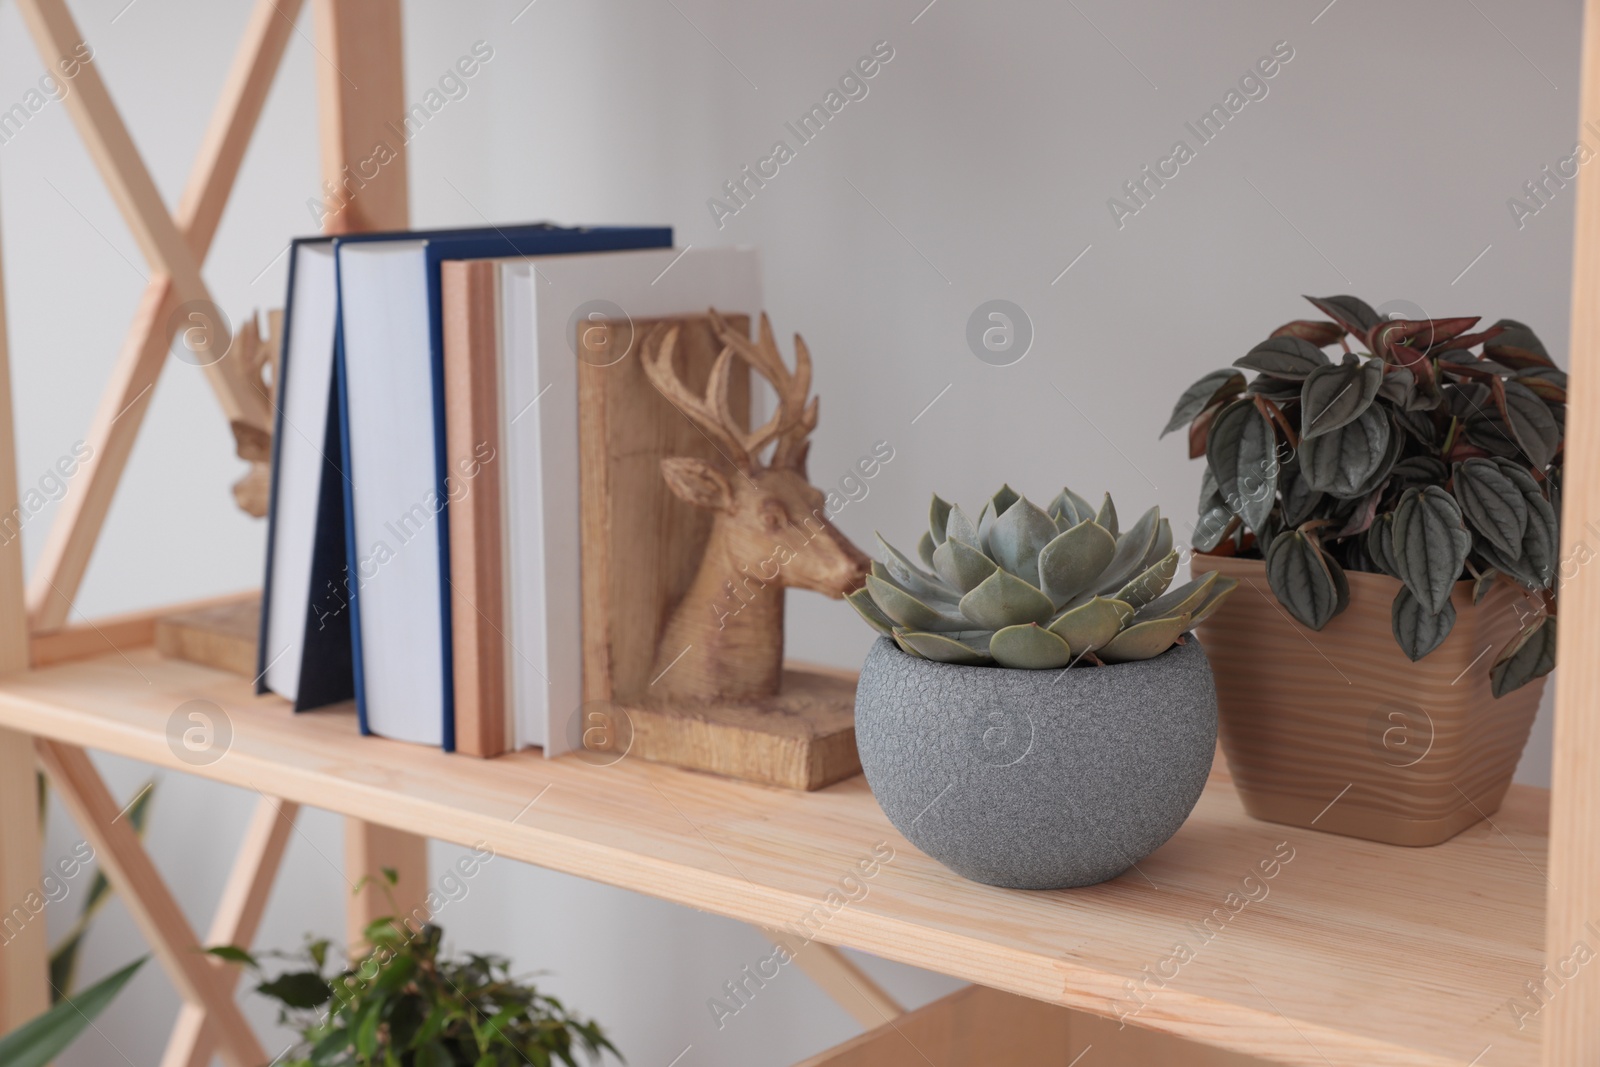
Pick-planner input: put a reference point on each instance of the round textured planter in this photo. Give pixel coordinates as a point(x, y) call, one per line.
point(1337, 730)
point(1036, 779)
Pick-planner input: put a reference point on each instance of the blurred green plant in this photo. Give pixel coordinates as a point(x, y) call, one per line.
point(43, 1038)
point(399, 1004)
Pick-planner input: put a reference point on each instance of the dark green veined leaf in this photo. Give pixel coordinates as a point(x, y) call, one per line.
point(1419, 424)
point(1214, 387)
point(1343, 461)
point(1418, 471)
point(1380, 544)
point(41, 1039)
point(1482, 584)
point(1353, 313)
point(1305, 579)
point(1430, 547)
point(1531, 655)
point(1415, 630)
point(1299, 499)
point(1380, 474)
point(1318, 333)
point(1492, 503)
point(1399, 386)
point(1541, 541)
point(1212, 527)
point(1336, 395)
point(1286, 357)
point(1242, 450)
point(1532, 423)
point(1517, 569)
point(1029, 647)
point(1517, 346)
point(1362, 515)
point(1281, 390)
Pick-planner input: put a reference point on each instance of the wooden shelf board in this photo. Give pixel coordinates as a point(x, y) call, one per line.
point(1359, 954)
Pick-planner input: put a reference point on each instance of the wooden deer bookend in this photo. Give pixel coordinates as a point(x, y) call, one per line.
point(257, 352)
point(723, 642)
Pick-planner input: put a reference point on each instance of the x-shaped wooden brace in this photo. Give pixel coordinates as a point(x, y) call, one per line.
point(174, 248)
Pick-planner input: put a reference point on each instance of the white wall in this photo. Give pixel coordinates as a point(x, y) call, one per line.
point(978, 167)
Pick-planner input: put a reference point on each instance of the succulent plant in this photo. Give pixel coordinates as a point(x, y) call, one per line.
point(1035, 588)
point(1413, 456)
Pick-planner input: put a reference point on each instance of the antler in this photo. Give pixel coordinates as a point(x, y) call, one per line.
point(792, 423)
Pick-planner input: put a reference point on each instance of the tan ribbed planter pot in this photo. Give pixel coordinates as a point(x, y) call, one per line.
point(1414, 752)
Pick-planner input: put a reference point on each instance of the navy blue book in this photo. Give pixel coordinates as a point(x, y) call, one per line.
point(359, 521)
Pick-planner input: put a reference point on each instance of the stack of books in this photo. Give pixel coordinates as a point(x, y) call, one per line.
point(423, 551)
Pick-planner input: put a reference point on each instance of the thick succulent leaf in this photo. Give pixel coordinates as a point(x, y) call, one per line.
point(912, 578)
point(1107, 515)
point(1416, 630)
point(1184, 600)
point(1318, 333)
point(1533, 424)
point(1069, 509)
point(957, 525)
point(1029, 647)
point(1380, 544)
point(1074, 560)
point(925, 547)
point(1017, 538)
point(1002, 500)
point(1144, 640)
point(1351, 312)
point(1162, 544)
point(1132, 547)
point(1150, 582)
point(1286, 357)
point(868, 609)
point(1219, 592)
point(938, 519)
point(1342, 462)
point(1002, 600)
point(1243, 454)
point(1532, 655)
point(1492, 503)
point(1309, 584)
point(1337, 394)
point(1090, 625)
point(1430, 547)
point(907, 611)
point(961, 564)
point(943, 648)
point(1517, 346)
point(1218, 385)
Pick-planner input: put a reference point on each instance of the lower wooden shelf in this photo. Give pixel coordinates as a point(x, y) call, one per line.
point(1352, 953)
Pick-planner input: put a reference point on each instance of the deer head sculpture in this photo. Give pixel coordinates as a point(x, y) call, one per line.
point(770, 529)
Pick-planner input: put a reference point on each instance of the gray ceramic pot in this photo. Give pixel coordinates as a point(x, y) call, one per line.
point(1037, 779)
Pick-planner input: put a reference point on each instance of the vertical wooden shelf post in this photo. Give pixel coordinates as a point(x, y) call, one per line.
point(361, 112)
point(23, 992)
point(1572, 1023)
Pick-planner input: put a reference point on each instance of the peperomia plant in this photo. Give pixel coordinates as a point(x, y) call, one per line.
point(1424, 451)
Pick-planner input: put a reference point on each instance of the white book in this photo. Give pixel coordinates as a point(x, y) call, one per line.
point(539, 430)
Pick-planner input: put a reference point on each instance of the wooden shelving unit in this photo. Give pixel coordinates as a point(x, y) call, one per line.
point(1359, 953)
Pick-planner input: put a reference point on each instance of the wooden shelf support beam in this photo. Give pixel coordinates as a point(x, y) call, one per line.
point(198, 977)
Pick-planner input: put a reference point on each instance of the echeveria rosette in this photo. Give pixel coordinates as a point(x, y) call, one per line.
point(1036, 588)
point(1419, 449)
